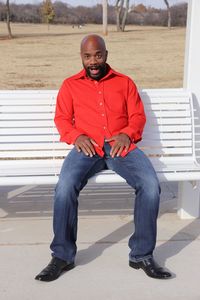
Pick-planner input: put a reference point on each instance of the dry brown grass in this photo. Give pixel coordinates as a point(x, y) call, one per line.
point(41, 59)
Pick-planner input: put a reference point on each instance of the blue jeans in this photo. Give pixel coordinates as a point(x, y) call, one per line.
point(77, 168)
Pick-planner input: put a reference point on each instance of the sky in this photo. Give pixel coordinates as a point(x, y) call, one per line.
point(153, 3)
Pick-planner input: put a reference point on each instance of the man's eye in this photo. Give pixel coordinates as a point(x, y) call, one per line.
point(99, 56)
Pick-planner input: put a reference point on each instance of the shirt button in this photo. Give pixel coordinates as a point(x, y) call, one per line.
point(102, 115)
point(95, 82)
point(99, 92)
point(100, 103)
point(104, 127)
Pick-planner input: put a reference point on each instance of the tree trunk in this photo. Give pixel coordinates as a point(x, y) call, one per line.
point(118, 9)
point(125, 15)
point(8, 19)
point(169, 14)
point(105, 17)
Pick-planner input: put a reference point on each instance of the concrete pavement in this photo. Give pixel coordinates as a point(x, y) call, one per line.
point(102, 270)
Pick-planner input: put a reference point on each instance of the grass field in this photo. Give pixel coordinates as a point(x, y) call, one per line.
point(40, 59)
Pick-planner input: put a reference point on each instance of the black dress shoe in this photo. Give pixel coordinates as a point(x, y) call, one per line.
point(151, 268)
point(54, 269)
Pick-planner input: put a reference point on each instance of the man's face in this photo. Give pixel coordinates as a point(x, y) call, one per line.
point(94, 57)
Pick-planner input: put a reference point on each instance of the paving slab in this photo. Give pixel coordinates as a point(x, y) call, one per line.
point(102, 270)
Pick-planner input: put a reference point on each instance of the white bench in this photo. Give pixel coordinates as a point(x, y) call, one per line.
point(30, 151)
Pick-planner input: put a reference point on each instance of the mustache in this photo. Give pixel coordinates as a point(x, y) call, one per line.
point(95, 67)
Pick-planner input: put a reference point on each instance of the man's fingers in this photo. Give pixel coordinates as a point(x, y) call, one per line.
point(94, 143)
point(127, 147)
point(90, 147)
point(122, 142)
point(120, 151)
point(87, 148)
point(85, 144)
point(78, 148)
point(116, 148)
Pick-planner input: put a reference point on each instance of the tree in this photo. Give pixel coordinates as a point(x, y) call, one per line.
point(8, 19)
point(169, 13)
point(121, 13)
point(105, 16)
point(48, 12)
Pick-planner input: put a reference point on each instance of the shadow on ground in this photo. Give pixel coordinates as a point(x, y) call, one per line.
point(37, 201)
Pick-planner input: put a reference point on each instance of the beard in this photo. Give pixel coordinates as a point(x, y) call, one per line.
point(96, 72)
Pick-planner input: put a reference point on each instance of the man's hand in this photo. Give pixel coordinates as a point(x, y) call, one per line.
point(122, 141)
point(85, 144)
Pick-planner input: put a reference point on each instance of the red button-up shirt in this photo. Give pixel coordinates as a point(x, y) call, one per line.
point(99, 109)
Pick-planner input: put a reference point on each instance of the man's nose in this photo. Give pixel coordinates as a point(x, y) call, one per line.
point(93, 60)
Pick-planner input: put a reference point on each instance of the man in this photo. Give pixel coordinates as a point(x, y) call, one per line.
point(100, 111)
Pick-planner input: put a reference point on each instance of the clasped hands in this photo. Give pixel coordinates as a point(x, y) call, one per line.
point(86, 145)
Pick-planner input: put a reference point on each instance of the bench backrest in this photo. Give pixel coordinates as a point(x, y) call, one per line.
point(27, 129)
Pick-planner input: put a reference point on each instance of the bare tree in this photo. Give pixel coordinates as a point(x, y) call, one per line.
point(105, 16)
point(8, 19)
point(169, 13)
point(121, 9)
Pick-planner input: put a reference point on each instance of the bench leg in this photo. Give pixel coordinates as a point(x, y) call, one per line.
point(189, 200)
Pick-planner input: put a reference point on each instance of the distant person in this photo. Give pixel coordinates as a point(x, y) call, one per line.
point(100, 112)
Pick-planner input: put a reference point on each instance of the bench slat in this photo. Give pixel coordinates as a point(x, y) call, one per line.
point(168, 113)
point(31, 146)
point(52, 129)
point(22, 131)
point(28, 100)
point(51, 170)
point(62, 153)
point(29, 116)
point(99, 178)
point(50, 123)
point(26, 116)
point(34, 123)
point(168, 121)
point(153, 99)
point(171, 136)
point(30, 138)
point(166, 143)
point(170, 139)
point(164, 106)
point(167, 151)
point(27, 109)
point(35, 131)
point(58, 145)
point(169, 128)
point(34, 154)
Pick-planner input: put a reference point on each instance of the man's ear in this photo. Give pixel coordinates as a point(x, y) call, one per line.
point(106, 56)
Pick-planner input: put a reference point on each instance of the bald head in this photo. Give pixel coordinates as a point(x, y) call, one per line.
point(93, 39)
point(94, 56)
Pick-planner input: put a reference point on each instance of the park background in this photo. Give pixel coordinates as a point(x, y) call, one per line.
point(41, 55)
